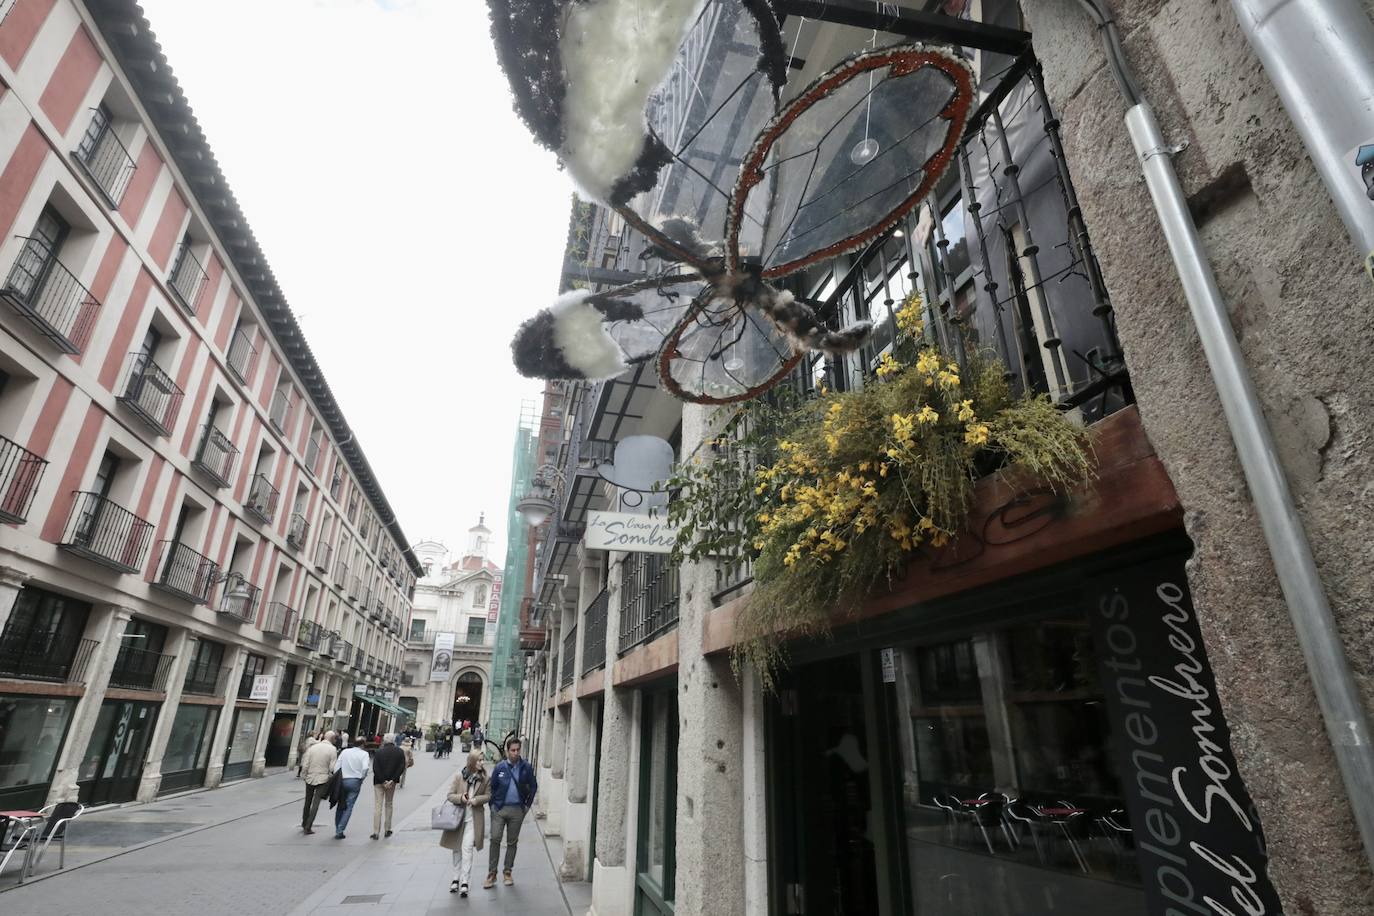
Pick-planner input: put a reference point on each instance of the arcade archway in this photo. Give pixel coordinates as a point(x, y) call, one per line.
point(467, 697)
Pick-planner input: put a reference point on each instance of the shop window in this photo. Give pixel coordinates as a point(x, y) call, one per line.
point(32, 730)
point(140, 664)
point(188, 747)
point(253, 666)
point(42, 638)
point(656, 869)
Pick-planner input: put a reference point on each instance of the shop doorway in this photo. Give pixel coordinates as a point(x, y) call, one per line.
point(279, 740)
point(113, 765)
point(655, 857)
point(467, 698)
point(243, 742)
point(188, 748)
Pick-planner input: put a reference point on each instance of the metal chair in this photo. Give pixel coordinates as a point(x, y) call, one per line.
point(59, 815)
point(21, 840)
point(1018, 813)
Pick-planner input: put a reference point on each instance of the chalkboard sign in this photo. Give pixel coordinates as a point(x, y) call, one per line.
point(1196, 832)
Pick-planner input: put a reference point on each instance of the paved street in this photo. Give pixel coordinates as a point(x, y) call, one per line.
point(239, 850)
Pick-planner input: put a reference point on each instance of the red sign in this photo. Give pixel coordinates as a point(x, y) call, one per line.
point(494, 608)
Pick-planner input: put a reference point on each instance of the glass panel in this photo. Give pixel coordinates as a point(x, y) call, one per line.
point(1012, 800)
point(188, 747)
point(31, 730)
point(100, 741)
point(245, 738)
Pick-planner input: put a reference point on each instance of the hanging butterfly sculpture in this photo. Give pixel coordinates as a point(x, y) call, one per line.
point(649, 105)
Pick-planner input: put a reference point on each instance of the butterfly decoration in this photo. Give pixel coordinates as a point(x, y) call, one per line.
point(672, 114)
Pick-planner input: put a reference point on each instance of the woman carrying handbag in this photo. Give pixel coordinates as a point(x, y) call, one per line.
point(470, 793)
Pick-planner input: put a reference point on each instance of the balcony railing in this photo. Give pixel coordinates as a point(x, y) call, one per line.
point(341, 575)
point(312, 452)
point(262, 498)
point(216, 455)
point(243, 356)
point(355, 587)
point(566, 666)
point(184, 572)
point(594, 625)
point(107, 162)
point(290, 693)
point(107, 533)
point(42, 290)
point(359, 657)
point(240, 599)
point(281, 620)
point(324, 556)
point(37, 656)
point(648, 598)
point(20, 472)
point(309, 635)
point(150, 393)
point(297, 531)
point(329, 641)
point(343, 651)
point(188, 278)
point(139, 669)
point(281, 407)
point(205, 680)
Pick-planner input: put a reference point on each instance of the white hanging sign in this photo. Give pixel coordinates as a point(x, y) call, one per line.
point(623, 531)
point(442, 663)
point(262, 687)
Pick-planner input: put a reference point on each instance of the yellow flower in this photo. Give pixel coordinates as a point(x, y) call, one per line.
point(965, 411)
point(948, 379)
point(927, 415)
point(864, 465)
point(882, 471)
point(764, 517)
point(887, 366)
point(977, 434)
point(925, 524)
point(939, 539)
point(928, 362)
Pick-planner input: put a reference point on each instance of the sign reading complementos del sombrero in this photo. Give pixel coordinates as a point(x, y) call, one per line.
point(624, 531)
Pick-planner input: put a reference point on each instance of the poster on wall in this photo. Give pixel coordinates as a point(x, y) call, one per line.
point(1196, 830)
point(494, 606)
point(262, 687)
point(442, 663)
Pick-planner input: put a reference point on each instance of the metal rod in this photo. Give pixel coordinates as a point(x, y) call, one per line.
point(948, 312)
point(973, 207)
point(864, 14)
point(1030, 252)
point(1337, 694)
point(1319, 55)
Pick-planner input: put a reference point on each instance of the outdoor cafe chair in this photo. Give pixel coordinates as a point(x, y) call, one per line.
point(15, 843)
point(60, 814)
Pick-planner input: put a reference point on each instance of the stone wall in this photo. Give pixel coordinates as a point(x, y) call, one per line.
point(1301, 307)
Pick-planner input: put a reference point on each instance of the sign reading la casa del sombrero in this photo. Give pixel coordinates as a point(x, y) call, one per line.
point(625, 531)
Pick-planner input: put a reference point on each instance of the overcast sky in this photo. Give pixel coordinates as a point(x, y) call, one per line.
point(409, 217)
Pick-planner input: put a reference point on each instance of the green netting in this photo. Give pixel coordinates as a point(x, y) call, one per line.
point(508, 662)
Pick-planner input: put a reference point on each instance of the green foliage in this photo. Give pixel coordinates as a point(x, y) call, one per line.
point(832, 495)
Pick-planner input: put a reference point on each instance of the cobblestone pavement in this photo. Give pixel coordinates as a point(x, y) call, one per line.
point(239, 850)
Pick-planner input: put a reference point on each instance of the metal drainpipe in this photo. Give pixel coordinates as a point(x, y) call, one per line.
point(1337, 694)
point(1319, 54)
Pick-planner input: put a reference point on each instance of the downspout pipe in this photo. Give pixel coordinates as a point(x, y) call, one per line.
point(1319, 54)
point(1346, 723)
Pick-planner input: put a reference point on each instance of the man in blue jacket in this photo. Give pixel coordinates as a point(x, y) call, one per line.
point(512, 792)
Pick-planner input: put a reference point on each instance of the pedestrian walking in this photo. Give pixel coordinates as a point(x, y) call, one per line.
point(409, 748)
point(512, 792)
point(352, 765)
point(317, 765)
point(388, 766)
point(469, 790)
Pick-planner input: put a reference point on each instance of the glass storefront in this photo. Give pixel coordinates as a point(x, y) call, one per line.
point(110, 771)
point(188, 748)
point(655, 878)
point(243, 741)
point(31, 733)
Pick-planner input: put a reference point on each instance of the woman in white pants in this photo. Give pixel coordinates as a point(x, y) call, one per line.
point(469, 790)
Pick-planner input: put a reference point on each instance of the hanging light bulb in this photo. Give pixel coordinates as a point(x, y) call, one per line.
point(864, 151)
point(733, 362)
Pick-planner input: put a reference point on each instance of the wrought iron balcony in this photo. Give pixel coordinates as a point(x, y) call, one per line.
point(289, 693)
point(139, 669)
point(216, 455)
point(368, 665)
point(107, 533)
point(188, 278)
point(329, 641)
point(355, 587)
point(243, 356)
point(106, 161)
point(298, 531)
point(324, 556)
point(44, 291)
point(205, 680)
point(39, 655)
point(359, 656)
point(343, 651)
point(648, 598)
point(567, 659)
point(281, 620)
point(240, 599)
point(184, 572)
point(262, 498)
point(20, 472)
point(309, 635)
point(312, 452)
point(594, 625)
point(341, 575)
point(150, 393)
point(280, 409)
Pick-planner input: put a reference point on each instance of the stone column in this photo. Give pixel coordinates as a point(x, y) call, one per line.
point(754, 812)
point(11, 582)
point(182, 650)
point(268, 714)
point(214, 773)
point(106, 626)
point(577, 818)
point(297, 733)
point(710, 778)
point(612, 867)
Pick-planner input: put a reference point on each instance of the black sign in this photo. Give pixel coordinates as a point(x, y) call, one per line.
point(1197, 834)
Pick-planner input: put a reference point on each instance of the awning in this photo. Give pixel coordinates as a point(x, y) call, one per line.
point(386, 705)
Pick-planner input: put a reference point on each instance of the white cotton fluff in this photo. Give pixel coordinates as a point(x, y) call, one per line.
point(580, 335)
point(615, 54)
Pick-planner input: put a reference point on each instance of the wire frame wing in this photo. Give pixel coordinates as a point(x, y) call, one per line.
point(722, 352)
point(662, 303)
point(851, 155)
point(722, 89)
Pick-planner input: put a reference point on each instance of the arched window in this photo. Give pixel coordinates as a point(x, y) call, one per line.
point(479, 597)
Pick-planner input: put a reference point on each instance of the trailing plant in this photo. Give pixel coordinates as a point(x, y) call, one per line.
point(831, 495)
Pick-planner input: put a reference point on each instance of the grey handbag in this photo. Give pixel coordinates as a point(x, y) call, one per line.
point(447, 816)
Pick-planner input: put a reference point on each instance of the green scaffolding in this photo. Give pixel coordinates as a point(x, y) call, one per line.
point(508, 662)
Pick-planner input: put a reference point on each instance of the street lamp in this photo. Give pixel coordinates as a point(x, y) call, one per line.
point(537, 505)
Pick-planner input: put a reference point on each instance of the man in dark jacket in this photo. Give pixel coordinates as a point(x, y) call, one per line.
point(388, 765)
point(512, 792)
